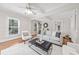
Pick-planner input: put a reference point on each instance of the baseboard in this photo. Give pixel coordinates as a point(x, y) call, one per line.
point(4, 40)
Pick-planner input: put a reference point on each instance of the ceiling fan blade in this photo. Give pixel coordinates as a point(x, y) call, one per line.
point(30, 7)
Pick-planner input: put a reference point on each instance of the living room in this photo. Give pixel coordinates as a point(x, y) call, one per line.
point(40, 20)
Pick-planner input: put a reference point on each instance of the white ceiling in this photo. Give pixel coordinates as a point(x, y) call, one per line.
point(48, 6)
point(39, 8)
point(15, 7)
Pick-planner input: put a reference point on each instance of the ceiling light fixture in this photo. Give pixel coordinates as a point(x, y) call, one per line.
point(29, 10)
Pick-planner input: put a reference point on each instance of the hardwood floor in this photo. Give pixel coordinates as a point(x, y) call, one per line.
point(9, 43)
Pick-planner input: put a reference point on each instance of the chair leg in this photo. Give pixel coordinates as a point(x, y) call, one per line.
point(24, 42)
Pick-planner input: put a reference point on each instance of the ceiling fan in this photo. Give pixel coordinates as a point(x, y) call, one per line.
point(30, 9)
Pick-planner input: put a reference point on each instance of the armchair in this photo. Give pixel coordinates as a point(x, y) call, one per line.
point(26, 36)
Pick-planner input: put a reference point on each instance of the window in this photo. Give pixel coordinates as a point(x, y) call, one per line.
point(36, 26)
point(13, 26)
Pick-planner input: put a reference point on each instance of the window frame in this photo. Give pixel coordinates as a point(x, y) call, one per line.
point(10, 18)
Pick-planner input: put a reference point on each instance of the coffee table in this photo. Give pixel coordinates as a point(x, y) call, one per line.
point(44, 46)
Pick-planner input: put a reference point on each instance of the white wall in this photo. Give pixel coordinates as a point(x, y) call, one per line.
point(67, 19)
point(4, 14)
point(65, 24)
point(68, 24)
point(77, 26)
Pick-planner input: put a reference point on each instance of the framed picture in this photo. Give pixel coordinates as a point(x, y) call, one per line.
point(45, 25)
